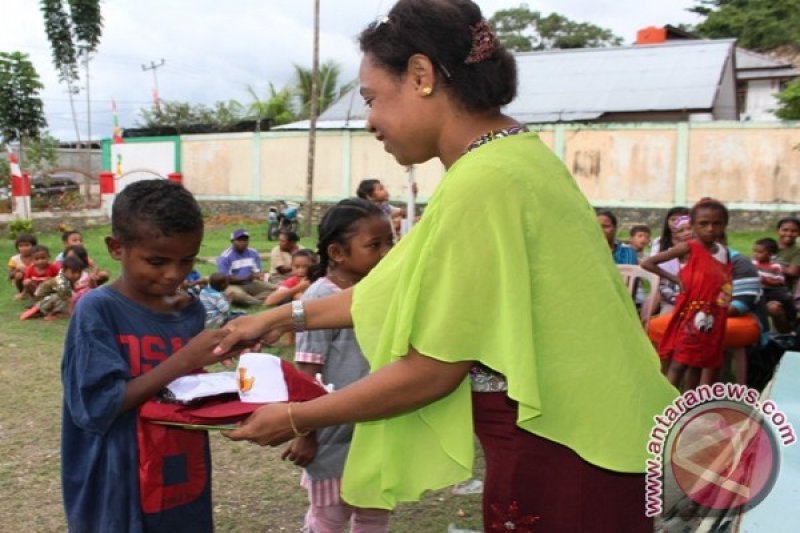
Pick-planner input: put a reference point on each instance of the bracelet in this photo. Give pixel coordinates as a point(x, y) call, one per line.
point(291, 422)
point(298, 315)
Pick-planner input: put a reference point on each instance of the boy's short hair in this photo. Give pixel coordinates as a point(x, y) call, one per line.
point(640, 228)
point(40, 248)
point(788, 220)
point(66, 234)
point(160, 204)
point(30, 238)
point(72, 263)
point(218, 280)
point(769, 244)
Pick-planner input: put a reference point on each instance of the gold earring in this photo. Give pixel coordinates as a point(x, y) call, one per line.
point(427, 91)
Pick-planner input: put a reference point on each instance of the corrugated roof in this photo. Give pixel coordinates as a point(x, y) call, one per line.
point(583, 84)
point(593, 81)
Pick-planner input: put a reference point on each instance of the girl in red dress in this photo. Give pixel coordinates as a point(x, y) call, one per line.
point(693, 339)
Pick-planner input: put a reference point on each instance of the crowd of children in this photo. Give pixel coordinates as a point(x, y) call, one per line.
point(712, 300)
point(704, 286)
point(51, 288)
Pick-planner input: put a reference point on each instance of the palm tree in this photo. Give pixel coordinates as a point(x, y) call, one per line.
point(329, 89)
point(277, 106)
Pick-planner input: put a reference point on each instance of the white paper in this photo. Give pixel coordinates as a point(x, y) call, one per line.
point(194, 386)
point(261, 379)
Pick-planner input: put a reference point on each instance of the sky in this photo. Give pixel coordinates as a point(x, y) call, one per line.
point(214, 50)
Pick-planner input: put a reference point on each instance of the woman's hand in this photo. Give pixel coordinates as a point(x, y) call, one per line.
point(267, 426)
point(248, 331)
point(302, 450)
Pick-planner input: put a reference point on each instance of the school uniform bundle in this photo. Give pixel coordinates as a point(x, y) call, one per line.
point(219, 399)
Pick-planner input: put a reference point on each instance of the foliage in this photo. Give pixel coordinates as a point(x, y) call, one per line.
point(756, 24)
point(789, 98)
point(277, 106)
point(20, 225)
point(41, 153)
point(181, 115)
point(523, 30)
point(329, 90)
point(21, 109)
point(5, 172)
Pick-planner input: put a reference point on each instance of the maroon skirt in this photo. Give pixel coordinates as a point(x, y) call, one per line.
point(534, 484)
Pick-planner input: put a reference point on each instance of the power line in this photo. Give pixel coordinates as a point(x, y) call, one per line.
point(155, 68)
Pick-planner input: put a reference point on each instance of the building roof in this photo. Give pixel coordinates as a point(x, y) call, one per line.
point(583, 84)
point(751, 65)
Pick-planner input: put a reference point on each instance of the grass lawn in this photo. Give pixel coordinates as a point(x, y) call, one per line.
point(253, 489)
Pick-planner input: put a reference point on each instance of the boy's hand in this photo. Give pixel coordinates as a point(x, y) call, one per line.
point(302, 450)
point(199, 351)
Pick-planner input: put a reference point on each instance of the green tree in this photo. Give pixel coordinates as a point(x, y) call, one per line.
point(756, 24)
point(523, 30)
point(42, 153)
point(71, 27)
point(183, 115)
point(276, 107)
point(329, 88)
point(21, 109)
point(789, 98)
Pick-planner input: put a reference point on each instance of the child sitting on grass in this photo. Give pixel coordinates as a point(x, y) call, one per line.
point(126, 341)
point(53, 297)
point(780, 305)
point(40, 270)
point(216, 302)
point(18, 263)
point(293, 287)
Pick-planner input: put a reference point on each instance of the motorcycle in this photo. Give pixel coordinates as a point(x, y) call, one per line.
point(287, 219)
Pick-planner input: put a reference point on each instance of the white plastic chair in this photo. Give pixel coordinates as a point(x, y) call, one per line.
point(641, 282)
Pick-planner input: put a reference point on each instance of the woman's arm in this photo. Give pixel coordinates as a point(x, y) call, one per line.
point(331, 312)
point(406, 384)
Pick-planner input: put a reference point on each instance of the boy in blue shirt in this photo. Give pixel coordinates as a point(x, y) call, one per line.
point(125, 342)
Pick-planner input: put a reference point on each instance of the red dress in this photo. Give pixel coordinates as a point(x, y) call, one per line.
point(695, 332)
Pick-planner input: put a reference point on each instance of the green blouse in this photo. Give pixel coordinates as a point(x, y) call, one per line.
point(507, 267)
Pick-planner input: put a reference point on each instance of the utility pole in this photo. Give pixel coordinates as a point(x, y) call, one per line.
point(156, 98)
point(312, 128)
point(88, 147)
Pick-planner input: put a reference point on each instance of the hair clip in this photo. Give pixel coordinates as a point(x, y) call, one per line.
point(484, 43)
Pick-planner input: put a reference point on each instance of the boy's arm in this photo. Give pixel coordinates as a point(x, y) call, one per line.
point(196, 354)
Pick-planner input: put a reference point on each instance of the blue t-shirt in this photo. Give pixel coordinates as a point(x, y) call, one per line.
point(239, 265)
point(624, 254)
point(110, 340)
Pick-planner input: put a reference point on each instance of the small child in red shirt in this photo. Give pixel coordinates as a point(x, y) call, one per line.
point(40, 270)
point(293, 287)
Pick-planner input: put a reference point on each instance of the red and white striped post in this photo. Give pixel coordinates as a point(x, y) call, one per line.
point(107, 193)
point(20, 188)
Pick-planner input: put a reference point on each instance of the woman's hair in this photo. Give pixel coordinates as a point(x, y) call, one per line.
point(609, 215)
point(769, 244)
point(471, 63)
point(148, 205)
point(366, 187)
point(30, 238)
point(665, 241)
point(78, 251)
point(336, 227)
point(788, 220)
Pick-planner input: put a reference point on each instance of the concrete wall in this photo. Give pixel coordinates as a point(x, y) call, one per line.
point(750, 166)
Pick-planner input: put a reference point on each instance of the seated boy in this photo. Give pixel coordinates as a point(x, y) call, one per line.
point(54, 296)
point(40, 270)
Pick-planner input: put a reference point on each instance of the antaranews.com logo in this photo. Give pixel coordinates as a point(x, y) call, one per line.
point(717, 445)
